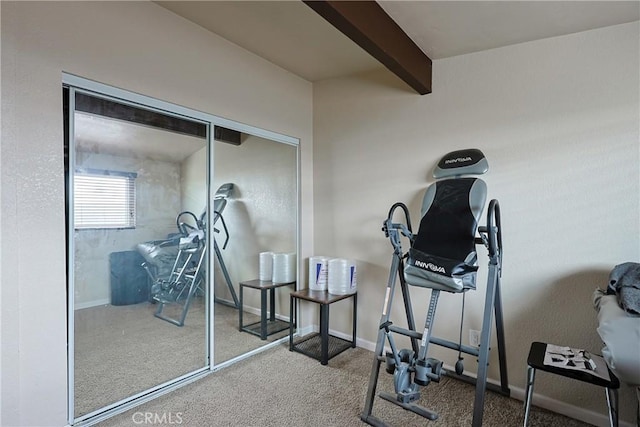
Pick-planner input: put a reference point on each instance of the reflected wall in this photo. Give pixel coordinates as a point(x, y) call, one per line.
point(261, 216)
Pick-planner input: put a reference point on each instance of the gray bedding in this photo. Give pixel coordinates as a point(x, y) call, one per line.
point(624, 281)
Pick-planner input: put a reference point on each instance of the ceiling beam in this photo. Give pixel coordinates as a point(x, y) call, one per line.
point(367, 24)
point(115, 110)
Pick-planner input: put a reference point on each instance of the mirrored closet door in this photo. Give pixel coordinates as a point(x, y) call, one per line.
point(138, 228)
point(168, 211)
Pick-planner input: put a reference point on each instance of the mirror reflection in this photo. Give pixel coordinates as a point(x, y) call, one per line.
point(260, 216)
point(143, 237)
point(139, 244)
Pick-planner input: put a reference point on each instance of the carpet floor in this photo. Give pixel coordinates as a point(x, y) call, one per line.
point(124, 350)
point(281, 388)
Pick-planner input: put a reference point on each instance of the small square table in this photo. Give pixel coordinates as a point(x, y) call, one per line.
point(321, 346)
point(536, 361)
point(266, 326)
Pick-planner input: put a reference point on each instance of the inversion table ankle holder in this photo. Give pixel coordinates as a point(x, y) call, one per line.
point(442, 257)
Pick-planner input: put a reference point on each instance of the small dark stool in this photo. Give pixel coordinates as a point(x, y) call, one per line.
point(322, 345)
point(536, 361)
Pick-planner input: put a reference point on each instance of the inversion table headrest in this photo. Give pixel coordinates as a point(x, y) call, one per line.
point(462, 162)
point(443, 254)
point(221, 196)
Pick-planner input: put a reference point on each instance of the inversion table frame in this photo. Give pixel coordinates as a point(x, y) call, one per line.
point(219, 203)
point(181, 279)
point(223, 266)
point(179, 275)
point(490, 237)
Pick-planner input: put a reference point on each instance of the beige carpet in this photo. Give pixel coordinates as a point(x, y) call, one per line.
point(124, 350)
point(279, 388)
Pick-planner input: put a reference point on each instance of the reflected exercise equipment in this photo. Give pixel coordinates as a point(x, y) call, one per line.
point(219, 203)
point(187, 251)
point(186, 275)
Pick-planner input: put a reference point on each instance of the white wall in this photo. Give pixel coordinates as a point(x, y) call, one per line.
point(558, 121)
point(137, 46)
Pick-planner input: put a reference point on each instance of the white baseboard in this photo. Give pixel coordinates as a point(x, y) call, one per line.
point(94, 303)
point(307, 330)
point(518, 393)
point(256, 311)
point(568, 410)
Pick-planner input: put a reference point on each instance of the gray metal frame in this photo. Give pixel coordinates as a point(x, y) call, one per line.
point(191, 279)
point(227, 279)
point(490, 236)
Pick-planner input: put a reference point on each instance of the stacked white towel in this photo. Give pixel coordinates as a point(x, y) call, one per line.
point(341, 277)
point(284, 268)
point(266, 266)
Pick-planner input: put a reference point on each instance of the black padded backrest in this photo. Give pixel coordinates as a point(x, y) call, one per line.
point(448, 225)
point(443, 254)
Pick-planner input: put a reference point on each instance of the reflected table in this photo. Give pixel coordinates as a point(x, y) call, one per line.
point(267, 325)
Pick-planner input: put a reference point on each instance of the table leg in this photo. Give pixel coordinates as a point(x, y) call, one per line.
point(324, 334)
point(531, 373)
point(263, 314)
point(240, 310)
point(292, 321)
point(355, 320)
point(272, 304)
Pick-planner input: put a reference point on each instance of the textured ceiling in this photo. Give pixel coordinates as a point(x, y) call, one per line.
point(449, 28)
point(287, 33)
point(291, 35)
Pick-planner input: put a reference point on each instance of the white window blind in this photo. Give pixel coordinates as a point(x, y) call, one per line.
point(104, 199)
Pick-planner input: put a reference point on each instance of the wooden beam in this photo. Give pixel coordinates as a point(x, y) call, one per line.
point(367, 24)
point(115, 110)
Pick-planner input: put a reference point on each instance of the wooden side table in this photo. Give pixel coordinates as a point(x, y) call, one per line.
point(266, 326)
point(536, 361)
point(321, 346)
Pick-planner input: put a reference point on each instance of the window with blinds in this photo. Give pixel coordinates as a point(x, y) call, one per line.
point(104, 199)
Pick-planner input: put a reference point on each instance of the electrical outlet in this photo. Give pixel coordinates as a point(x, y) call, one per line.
point(474, 338)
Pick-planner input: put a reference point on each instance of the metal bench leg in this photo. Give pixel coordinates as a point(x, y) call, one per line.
point(531, 374)
point(612, 403)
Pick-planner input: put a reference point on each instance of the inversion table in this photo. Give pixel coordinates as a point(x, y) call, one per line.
point(442, 257)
